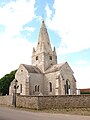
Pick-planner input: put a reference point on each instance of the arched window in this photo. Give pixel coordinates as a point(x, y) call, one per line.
point(36, 57)
point(67, 87)
point(50, 84)
point(38, 88)
point(50, 57)
point(35, 88)
point(20, 88)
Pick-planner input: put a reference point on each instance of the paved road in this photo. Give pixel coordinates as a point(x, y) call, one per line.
point(14, 114)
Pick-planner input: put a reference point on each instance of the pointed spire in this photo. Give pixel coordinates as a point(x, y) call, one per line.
point(54, 50)
point(46, 56)
point(43, 24)
point(33, 49)
point(43, 40)
point(33, 52)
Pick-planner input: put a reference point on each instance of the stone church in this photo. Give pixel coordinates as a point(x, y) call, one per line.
point(44, 76)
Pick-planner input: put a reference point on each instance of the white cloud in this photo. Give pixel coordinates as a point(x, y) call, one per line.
point(15, 14)
point(17, 9)
point(82, 62)
point(72, 22)
point(15, 50)
point(30, 29)
point(81, 69)
point(82, 75)
point(49, 12)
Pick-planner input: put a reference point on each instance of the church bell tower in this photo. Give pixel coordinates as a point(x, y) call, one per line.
point(43, 57)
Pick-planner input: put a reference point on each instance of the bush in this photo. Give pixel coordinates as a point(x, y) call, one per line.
point(5, 82)
point(85, 92)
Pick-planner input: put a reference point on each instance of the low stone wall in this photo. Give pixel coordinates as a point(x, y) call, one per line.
point(21, 101)
point(48, 102)
point(6, 100)
point(27, 102)
point(68, 101)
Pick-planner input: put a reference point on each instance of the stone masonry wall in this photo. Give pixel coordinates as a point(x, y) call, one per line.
point(68, 101)
point(27, 102)
point(48, 102)
point(6, 100)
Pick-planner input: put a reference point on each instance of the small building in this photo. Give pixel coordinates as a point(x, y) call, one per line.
point(85, 91)
point(44, 76)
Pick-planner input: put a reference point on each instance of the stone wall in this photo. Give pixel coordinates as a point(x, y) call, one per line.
point(21, 101)
point(48, 102)
point(62, 101)
point(27, 102)
point(50, 78)
point(36, 79)
point(6, 100)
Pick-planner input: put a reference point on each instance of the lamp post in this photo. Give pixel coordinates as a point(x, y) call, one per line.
point(15, 92)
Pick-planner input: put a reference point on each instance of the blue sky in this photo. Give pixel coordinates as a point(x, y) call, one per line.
point(68, 24)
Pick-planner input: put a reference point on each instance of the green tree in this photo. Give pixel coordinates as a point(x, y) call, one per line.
point(5, 82)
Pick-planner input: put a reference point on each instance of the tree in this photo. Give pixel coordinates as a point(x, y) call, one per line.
point(5, 82)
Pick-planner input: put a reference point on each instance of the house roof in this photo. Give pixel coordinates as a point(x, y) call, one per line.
point(32, 69)
point(85, 90)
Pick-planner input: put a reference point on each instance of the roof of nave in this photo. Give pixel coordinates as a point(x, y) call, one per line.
point(32, 69)
point(55, 68)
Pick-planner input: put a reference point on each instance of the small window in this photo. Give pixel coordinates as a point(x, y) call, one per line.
point(37, 58)
point(35, 88)
point(38, 88)
point(20, 88)
point(50, 57)
point(21, 70)
point(50, 86)
point(69, 86)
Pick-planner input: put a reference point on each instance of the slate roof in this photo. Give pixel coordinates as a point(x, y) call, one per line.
point(32, 69)
point(54, 68)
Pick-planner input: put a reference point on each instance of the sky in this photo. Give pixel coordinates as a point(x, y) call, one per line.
point(68, 25)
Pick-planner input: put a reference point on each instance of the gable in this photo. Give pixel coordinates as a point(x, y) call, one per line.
point(29, 68)
point(67, 71)
point(21, 71)
point(67, 68)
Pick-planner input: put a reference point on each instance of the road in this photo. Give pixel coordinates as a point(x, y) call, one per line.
point(14, 114)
